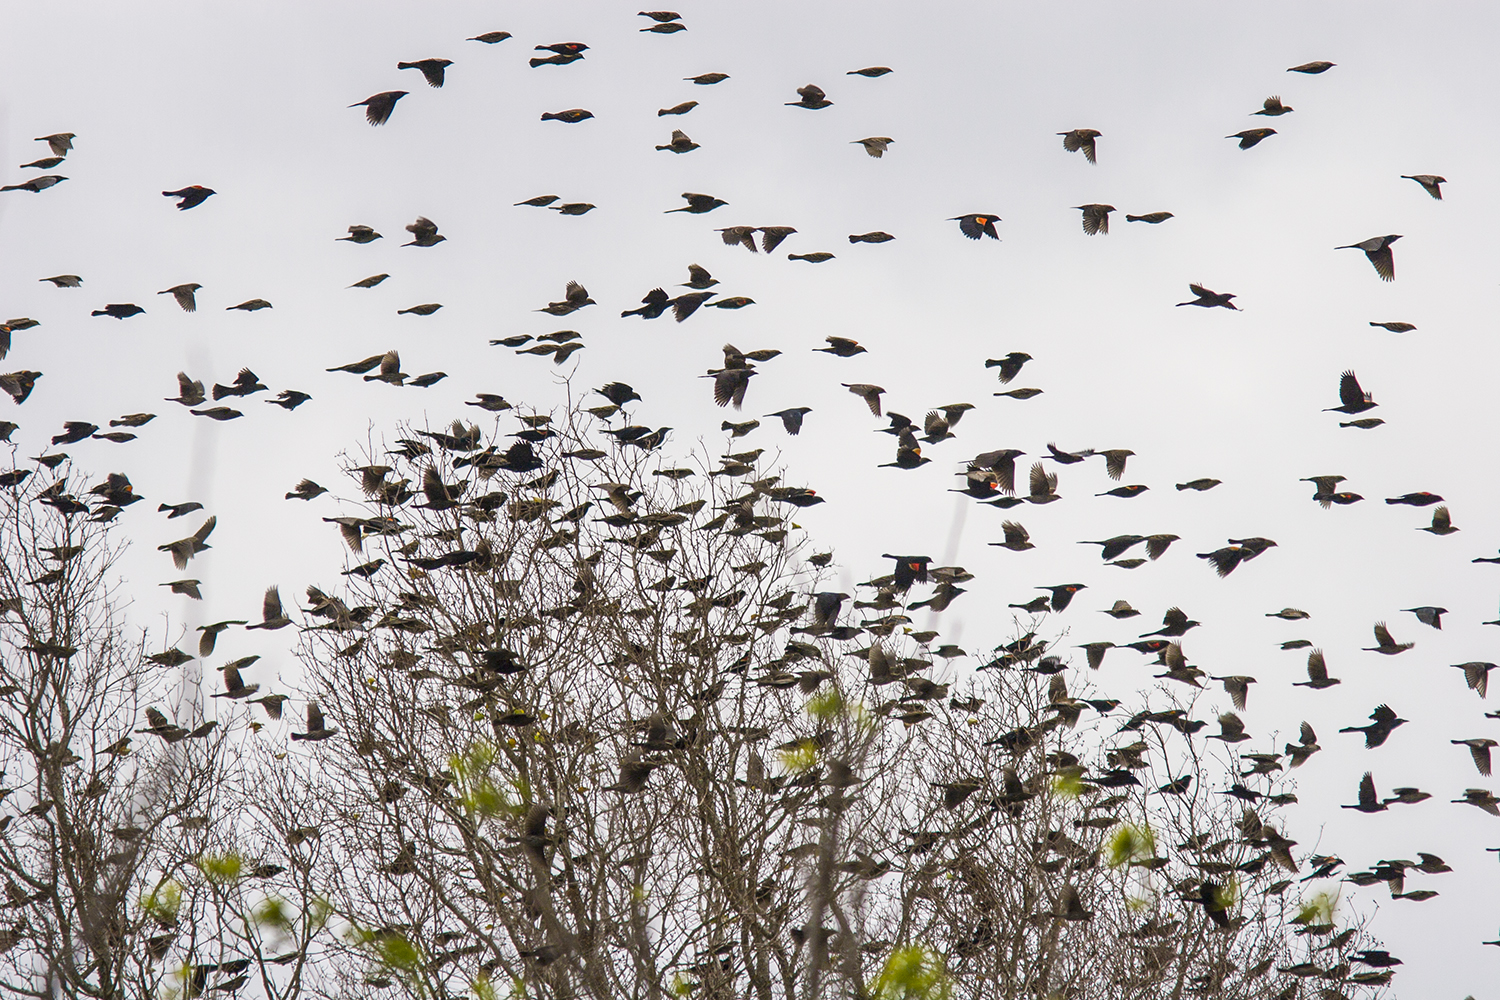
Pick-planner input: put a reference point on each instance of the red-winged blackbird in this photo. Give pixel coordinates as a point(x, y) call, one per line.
point(869, 393)
point(1383, 723)
point(1352, 398)
point(791, 418)
point(810, 96)
point(1423, 499)
point(1199, 484)
point(1429, 615)
point(432, 69)
point(289, 399)
point(1250, 137)
point(379, 107)
point(1313, 67)
point(424, 233)
point(572, 116)
point(540, 201)
point(59, 142)
point(1062, 594)
point(1081, 139)
point(975, 225)
point(1207, 298)
point(771, 236)
point(1010, 365)
point(1378, 251)
point(361, 234)
point(1174, 623)
point(738, 236)
point(730, 385)
point(1442, 522)
point(1273, 108)
point(119, 310)
point(1017, 538)
point(1124, 491)
point(250, 305)
point(574, 208)
point(370, 282)
point(1117, 546)
point(1396, 326)
point(1430, 183)
point(685, 305)
point(661, 16)
point(563, 48)
point(1369, 802)
point(909, 570)
point(666, 28)
point(1154, 218)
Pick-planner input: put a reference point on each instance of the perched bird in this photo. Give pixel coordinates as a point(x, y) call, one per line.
point(1431, 183)
point(1383, 723)
point(1378, 251)
point(1274, 108)
point(976, 225)
point(1250, 137)
point(1208, 298)
point(875, 145)
point(811, 97)
point(431, 69)
point(1352, 398)
point(1081, 139)
point(1095, 218)
point(378, 108)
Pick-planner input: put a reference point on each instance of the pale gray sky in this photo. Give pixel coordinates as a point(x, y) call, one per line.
point(251, 101)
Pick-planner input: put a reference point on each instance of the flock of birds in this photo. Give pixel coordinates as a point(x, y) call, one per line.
point(989, 477)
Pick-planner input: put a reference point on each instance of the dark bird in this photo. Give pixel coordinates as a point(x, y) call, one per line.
point(1442, 523)
point(1120, 610)
point(1420, 499)
point(424, 233)
point(810, 96)
point(1199, 484)
point(730, 385)
point(1273, 108)
point(556, 59)
point(490, 37)
point(870, 71)
point(811, 258)
point(1384, 722)
point(1154, 218)
point(1017, 538)
point(192, 196)
point(360, 234)
point(841, 347)
point(1477, 675)
point(575, 297)
point(771, 236)
point(1095, 218)
point(1430, 183)
point(909, 570)
point(59, 142)
point(1174, 623)
point(575, 208)
point(189, 391)
point(250, 305)
point(245, 383)
point(653, 305)
point(1207, 298)
point(698, 204)
point(1124, 491)
point(370, 282)
point(316, 728)
point(1429, 615)
point(1352, 398)
point(1062, 594)
point(37, 184)
point(1368, 801)
point(1378, 250)
point(678, 109)
point(1010, 365)
point(707, 79)
point(572, 116)
point(666, 28)
point(379, 107)
point(74, 431)
point(869, 393)
point(217, 413)
point(1479, 748)
point(1042, 485)
point(791, 418)
point(432, 69)
point(975, 225)
point(1396, 326)
point(685, 305)
point(1313, 67)
point(1250, 137)
point(540, 201)
point(875, 237)
point(1081, 139)
point(289, 399)
point(119, 310)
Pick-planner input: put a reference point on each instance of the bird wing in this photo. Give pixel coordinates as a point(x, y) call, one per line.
point(207, 529)
point(271, 606)
point(232, 679)
point(314, 717)
point(1350, 394)
point(1384, 261)
point(1317, 670)
point(1383, 635)
point(1367, 790)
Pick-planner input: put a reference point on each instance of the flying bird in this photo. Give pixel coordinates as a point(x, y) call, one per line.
point(1431, 183)
point(378, 107)
point(192, 196)
point(1378, 250)
point(1081, 140)
point(431, 69)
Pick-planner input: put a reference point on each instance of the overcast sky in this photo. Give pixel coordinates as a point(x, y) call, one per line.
point(251, 100)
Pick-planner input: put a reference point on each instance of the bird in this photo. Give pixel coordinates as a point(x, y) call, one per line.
point(1174, 622)
point(1431, 183)
point(490, 37)
point(370, 282)
point(1429, 615)
point(791, 418)
point(870, 72)
point(316, 728)
point(811, 97)
point(1154, 218)
point(1483, 799)
point(1383, 723)
point(425, 309)
point(1385, 644)
point(1419, 499)
point(1010, 365)
point(361, 234)
point(246, 382)
point(1198, 484)
point(540, 201)
point(1017, 538)
point(184, 295)
point(1476, 675)
point(875, 237)
point(424, 233)
point(1313, 67)
point(272, 617)
point(1396, 326)
point(707, 79)
point(249, 305)
point(575, 297)
point(1273, 108)
point(188, 588)
point(574, 208)
point(119, 310)
point(1479, 749)
point(1081, 139)
point(678, 109)
point(572, 116)
point(1378, 250)
point(1250, 137)
point(235, 687)
point(698, 204)
point(58, 142)
point(666, 28)
point(1352, 398)
point(1095, 218)
point(191, 196)
point(378, 107)
point(185, 548)
point(869, 393)
point(1062, 594)
point(432, 69)
point(874, 145)
point(811, 258)
point(1208, 298)
point(653, 305)
point(289, 399)
point(1368, 801)
point(978, 224)
point(64, 280)
point(772, 236)
point(730, 385)
point(36, 185)
point(841, 347)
